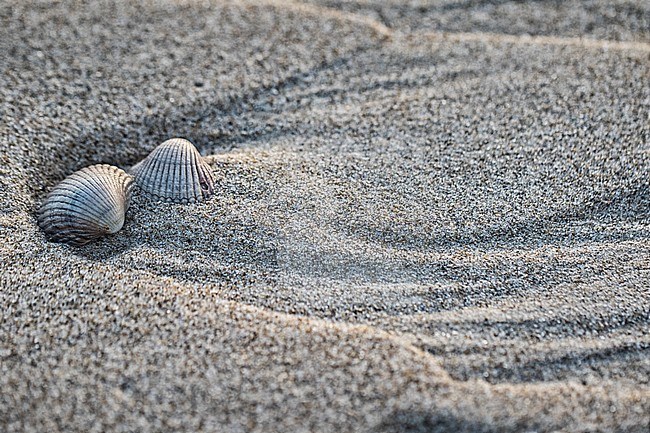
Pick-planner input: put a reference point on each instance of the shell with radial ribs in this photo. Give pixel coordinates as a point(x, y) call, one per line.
point(175, 171)
point(87, 205)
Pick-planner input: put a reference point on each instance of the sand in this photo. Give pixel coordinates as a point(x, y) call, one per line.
point(431, 216)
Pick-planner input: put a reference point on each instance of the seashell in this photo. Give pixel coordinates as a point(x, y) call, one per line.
point(88, 204)
point(175, 171)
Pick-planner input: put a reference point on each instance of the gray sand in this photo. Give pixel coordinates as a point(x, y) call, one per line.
point(415, 230)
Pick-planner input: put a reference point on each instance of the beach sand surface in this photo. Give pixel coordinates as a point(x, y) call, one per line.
point(430, 216)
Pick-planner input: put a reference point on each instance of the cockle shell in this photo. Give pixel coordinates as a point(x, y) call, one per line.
point(175, 171)
point(88, 204)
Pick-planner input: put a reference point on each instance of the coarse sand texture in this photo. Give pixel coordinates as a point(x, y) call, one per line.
point(427, 216)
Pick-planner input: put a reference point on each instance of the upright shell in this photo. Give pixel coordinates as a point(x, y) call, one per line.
point(87, 205)
point(176, 172)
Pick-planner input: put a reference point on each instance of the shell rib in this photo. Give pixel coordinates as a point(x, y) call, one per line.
point(87, 205)
point(175, 171)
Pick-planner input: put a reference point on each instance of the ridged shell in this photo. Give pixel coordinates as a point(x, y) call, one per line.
point(88, 204)
point(175, 171)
